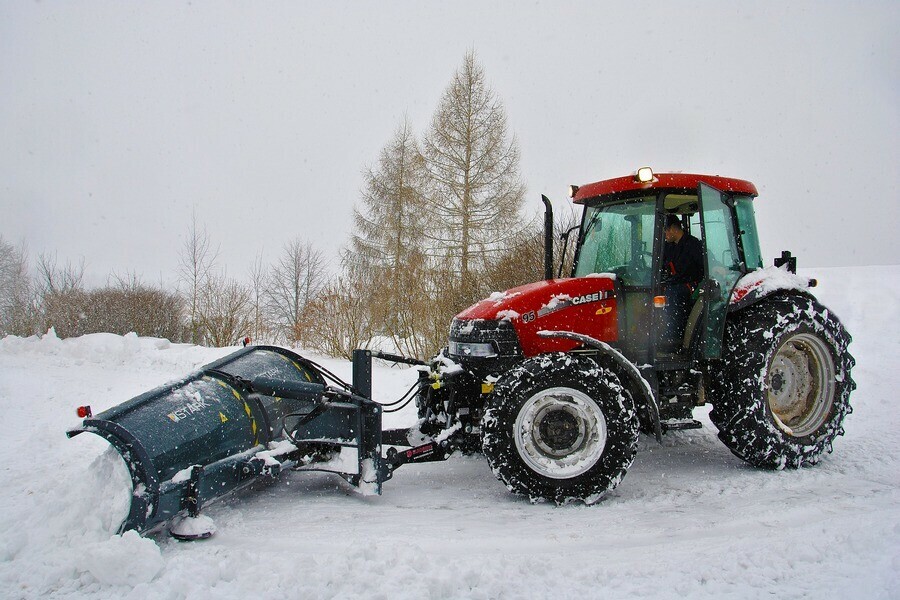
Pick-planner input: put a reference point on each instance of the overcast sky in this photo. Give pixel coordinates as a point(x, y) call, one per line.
point(118, 119)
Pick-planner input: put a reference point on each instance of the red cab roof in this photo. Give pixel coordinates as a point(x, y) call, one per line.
point(663, 180)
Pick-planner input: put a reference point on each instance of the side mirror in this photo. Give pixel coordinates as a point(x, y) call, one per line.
point(787, 259)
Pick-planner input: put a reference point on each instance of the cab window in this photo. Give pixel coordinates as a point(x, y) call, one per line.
point(618, 238)
point(749, 237)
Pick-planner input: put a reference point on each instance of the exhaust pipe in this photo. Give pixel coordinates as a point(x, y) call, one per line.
point(548, 238)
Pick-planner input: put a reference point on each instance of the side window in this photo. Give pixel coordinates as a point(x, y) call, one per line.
point(749, 238)
point(721, 246)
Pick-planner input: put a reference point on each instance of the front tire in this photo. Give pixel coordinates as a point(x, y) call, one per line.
point(782, 389)
point(560, 428)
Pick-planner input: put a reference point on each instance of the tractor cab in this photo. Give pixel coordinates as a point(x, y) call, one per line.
point(622, 232)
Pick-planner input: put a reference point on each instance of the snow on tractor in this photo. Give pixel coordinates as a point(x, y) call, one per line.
point(668, 307)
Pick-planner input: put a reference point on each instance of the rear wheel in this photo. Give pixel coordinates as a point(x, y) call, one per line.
point(560, 428)
point(782, 389)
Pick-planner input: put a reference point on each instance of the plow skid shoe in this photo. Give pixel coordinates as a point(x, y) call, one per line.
point(238, 419)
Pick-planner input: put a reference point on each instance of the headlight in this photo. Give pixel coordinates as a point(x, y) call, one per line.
point(644, 175)
point(479, 349)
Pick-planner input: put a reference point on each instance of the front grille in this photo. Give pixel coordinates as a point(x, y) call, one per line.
point(501, 334)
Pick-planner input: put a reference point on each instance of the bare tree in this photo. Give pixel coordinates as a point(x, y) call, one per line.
point(295, 281)
point(17, 298)
point(223, 312)
point(523, 261)
point(339, 320)
point(56, 278)
point(195, 266)
point(475, 190)
point(259, 274)
point(435, 314)
point(63, 301)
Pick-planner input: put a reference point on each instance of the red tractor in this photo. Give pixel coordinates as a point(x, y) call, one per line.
point(554, 380)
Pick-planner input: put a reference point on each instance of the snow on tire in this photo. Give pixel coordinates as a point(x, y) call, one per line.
point(559, 427)
point(782, 389)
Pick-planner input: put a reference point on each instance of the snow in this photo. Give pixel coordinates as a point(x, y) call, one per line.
point(501, 297)
point(346, 461)
point(123, 560)
point(445, 366)
point(555, 301)
point(194, 527)
point(183, 475)
point(468, 328)
point(275, 451)
point(508, 315)
point(689, 520)
point(445, 435)
point(768, 280)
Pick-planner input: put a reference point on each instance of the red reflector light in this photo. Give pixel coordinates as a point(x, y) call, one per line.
point(84, 412)
point(659, 301)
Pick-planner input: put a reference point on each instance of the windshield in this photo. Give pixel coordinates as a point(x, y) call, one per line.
point(618, 238)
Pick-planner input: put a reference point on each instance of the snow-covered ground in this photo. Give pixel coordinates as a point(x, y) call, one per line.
point(689, 520)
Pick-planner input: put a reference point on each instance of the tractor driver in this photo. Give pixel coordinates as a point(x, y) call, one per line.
point(682, 272)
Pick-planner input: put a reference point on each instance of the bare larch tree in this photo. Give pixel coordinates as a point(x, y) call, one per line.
point(474, 187)
point(386, 250)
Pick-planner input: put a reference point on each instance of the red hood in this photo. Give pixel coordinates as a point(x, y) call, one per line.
point(514, 303)
point(583, 305)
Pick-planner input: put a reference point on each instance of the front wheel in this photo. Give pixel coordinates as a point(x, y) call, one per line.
point(560, 428)
point(782, 389)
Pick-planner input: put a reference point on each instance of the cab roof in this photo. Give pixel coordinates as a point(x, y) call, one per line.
point(678, 181)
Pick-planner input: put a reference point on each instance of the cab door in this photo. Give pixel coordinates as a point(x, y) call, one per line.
point(723, 265)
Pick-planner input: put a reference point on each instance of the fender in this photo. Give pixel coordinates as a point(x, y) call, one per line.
point(639, 385)
point(759, 284)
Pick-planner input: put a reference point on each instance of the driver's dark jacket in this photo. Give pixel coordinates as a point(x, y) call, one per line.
point(683, 262)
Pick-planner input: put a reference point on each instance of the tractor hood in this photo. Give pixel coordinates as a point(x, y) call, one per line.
point(583, 305)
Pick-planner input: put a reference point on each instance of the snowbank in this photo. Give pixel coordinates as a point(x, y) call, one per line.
point(689, 519)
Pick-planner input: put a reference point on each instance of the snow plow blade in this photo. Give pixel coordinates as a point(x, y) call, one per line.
point(235, 420)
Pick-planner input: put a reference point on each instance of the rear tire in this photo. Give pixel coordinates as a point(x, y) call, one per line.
point(560, 428)
point(782, 389)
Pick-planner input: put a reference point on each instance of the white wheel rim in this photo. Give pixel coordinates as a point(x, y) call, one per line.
point(800, 384)
point(560, 433)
